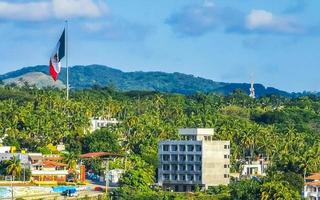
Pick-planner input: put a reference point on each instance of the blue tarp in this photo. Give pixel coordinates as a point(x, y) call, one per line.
point(61, 189)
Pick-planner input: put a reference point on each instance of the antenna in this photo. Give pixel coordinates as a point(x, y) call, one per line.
point(252, 93)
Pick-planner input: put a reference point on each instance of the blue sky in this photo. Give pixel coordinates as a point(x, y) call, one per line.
point(275, 41)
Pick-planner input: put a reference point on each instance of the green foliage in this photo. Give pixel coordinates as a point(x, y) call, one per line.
point(282, 129)
point(278, 190)
point(102, 140)
point(139, 177)
point(245, 190)
point(13, 167)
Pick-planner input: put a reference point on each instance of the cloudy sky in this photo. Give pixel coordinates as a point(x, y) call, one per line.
point(278, 42)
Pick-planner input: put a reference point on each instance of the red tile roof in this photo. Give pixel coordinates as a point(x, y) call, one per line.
point(314, 176)
point(313, 183)
point(49, 163)
point(99, 154)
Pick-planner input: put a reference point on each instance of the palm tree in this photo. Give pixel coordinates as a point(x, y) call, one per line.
point(14, 167)
point(71, 160)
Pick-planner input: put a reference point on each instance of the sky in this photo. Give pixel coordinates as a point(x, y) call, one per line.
point(276, 42)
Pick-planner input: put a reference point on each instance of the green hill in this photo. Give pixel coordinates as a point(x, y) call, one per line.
point(88, 76)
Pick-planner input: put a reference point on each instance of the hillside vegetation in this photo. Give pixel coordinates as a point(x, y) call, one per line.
point(87, 76)
point(286, 130)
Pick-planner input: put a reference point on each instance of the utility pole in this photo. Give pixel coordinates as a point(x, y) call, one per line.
point(106, 165)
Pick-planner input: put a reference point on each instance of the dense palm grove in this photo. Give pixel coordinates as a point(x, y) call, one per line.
point(284, 130)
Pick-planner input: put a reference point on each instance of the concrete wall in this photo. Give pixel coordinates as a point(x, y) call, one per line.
point(214, 162)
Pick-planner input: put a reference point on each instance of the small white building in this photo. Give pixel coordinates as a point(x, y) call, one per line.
point(114, 176)
point(194, 161)
point(312, 187)
point(5, 149)
point(254, 168)
point(97, 123)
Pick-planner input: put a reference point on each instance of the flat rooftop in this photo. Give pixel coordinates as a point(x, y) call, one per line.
point(196, 131)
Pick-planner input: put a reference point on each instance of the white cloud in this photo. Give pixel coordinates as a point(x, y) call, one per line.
point(261, 20)
point(51, 9)
point(76, 8)
point(24, 11)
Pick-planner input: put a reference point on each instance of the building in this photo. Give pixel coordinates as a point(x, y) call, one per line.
point(97, 123)
point(24, 158)
point(312, 187)
point(114, 176)
point(6, 149)
point(194, 161)
point(49, 171)
point(255, 168)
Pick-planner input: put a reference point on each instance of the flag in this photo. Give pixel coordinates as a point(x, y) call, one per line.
point(57, 55)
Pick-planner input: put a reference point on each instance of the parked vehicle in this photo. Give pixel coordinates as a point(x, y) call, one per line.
point(70, 193)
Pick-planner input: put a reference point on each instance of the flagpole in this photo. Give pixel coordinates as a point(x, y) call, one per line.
point(67, 54)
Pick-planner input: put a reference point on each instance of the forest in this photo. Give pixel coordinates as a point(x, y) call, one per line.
point(283, 129)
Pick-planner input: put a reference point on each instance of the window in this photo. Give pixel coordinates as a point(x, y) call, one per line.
point(189, 177)
point(226, 156)
point(198, 147)
point(174, 177)
point(190, 157)
point(198, 177)
point(165, 147)
point(190, 167)
point(166, 177)
point(165, 157)
point(174, 167)
point(198, 167)
point(174, 148)
point(182, 167)
point(198, 158)
point(226, 166)
point(191, 137)
point(182, 177)
point(190, 147)
point(165, 167)
point(226, 175)
point(182, 148)
point(182, 157)
point(174, 157)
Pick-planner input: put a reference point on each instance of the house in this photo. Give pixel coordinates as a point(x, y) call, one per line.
point(47, 170)
point(7, 149)
point(254, 168)
point(312, 187)
point(194, 161)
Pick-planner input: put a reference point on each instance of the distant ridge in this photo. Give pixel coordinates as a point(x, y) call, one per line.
point(37, 79)
point(87, 76)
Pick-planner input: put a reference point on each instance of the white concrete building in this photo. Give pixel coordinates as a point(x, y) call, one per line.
point(97, 123)
point(254, 168)
point(312, 187)
point(195, 160)
point(5, 149)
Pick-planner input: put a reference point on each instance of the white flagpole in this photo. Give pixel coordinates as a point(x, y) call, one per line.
point(66, 50)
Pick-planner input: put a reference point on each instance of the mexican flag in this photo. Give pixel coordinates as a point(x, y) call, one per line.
point(57, 55)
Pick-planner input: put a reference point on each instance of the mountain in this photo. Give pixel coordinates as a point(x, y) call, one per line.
point(38, 79)
point(87, 76)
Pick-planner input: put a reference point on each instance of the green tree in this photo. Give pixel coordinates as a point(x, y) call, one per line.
point(14, 167)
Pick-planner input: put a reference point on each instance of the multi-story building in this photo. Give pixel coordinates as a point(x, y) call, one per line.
point(312, 187)
point(194, 161)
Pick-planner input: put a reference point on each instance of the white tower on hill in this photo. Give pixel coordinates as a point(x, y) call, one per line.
point(252, 93)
